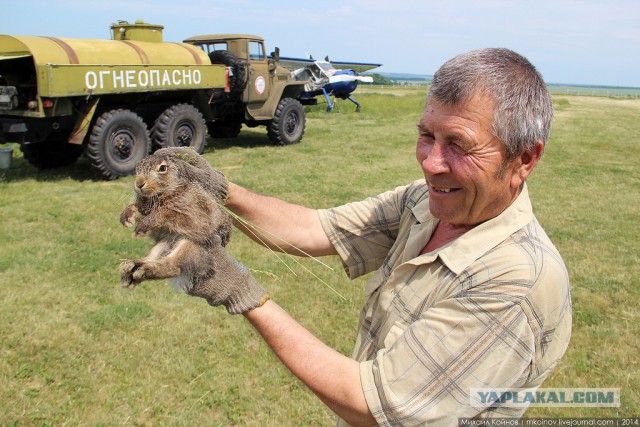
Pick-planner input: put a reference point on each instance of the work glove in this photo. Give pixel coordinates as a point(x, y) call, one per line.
point(217, 184)
point(231, 285)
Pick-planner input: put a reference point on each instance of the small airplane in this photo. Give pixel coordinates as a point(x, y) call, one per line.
point(323, 78)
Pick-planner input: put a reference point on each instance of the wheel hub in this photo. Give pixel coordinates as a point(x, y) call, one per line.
point(123, 145)
point(291, 123)
point(184, 136)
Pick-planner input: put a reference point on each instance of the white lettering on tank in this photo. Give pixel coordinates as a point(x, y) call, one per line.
point(155, 78)
point(91, 80)
point(176, 77)
point(186, 77)
point(131, 78)
point(118, 77)
point(143, 78)
point(123, 79)
point(101, 75)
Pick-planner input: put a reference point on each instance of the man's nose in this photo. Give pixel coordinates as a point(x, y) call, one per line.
point(436, 161)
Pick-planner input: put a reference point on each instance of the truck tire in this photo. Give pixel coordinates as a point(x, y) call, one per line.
point(238, 81)
point(181, 125)
point(119, 139)
point(52, 153)
point(287, 126)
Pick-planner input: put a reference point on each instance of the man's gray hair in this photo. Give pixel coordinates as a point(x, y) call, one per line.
point(523, 106)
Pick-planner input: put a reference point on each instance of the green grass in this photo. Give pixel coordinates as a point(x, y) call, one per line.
point(77, 349)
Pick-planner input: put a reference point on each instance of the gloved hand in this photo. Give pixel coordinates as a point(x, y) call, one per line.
point(231, 285)
point(218, 185)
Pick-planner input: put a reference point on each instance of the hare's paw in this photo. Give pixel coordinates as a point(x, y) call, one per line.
point(143, 227)
point(139, 273)
point(141, 230)
point(129, 215)
point(127, 269)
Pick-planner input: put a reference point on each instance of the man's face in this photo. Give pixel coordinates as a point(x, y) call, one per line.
point(462, 162)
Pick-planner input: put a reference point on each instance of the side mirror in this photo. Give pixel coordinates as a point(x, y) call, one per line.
point(275, 55)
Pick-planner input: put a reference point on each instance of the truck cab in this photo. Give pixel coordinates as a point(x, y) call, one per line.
point(258, 76)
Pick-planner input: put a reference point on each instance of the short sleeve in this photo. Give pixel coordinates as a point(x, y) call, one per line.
point(363, 233)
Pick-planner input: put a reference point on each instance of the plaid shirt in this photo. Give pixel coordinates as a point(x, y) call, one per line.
point(490, 309)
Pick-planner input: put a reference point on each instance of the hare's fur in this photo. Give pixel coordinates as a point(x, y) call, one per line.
point(178, 204)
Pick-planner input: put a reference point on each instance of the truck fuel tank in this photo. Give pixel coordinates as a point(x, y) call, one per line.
point(137, 60)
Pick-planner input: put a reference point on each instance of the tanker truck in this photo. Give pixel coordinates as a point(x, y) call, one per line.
point(118, 100)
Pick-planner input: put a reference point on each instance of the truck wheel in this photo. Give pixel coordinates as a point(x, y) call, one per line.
point(181, 125)
point(238, 81)
point(52, 153)
point(118, 140)
point(287, 126)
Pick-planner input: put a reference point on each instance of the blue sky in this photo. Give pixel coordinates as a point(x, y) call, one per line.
point(570, 41)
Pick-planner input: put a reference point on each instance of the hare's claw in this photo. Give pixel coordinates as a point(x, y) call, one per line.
point(139, 273)
point(140, 231)
point(127, 271)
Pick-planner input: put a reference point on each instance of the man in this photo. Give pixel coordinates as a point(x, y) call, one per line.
point(468, 290)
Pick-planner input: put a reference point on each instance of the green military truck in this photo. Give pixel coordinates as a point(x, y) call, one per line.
point(118, 100)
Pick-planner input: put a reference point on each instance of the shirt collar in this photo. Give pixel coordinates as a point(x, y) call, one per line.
point(458, 254)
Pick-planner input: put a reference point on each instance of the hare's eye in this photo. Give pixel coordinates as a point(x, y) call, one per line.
point(162, 168)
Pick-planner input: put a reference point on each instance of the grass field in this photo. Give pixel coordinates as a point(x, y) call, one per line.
point(76, 349)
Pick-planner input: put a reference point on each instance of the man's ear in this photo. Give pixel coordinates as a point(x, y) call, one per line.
point(525, 164)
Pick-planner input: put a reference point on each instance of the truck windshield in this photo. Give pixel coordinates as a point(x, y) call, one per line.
point(211, 47)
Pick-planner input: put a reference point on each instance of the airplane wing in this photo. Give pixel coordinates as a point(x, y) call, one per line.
point(358, 67)
point(292, 64)
point(295, 63)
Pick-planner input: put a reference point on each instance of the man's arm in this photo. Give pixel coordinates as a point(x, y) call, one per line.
point(333, 377)
point(278, 223)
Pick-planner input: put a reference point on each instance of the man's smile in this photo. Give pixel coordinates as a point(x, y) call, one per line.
point(442, 190)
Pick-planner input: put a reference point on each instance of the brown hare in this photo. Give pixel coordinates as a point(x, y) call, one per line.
point(178, 204)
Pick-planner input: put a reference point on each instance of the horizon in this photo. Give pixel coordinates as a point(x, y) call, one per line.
point(430, 77)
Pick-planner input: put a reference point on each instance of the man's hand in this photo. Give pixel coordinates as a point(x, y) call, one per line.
point(231, 285)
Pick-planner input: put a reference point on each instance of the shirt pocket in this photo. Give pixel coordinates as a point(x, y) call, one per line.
point(397, 329)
